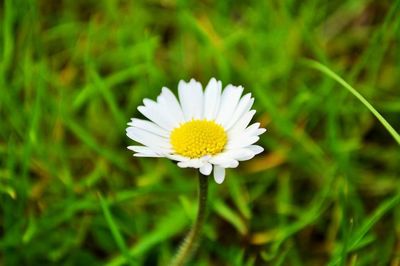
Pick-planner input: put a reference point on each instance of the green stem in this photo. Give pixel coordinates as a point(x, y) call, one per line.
point(191, 241)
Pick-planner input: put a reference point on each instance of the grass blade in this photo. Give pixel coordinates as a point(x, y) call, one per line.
point(114, 230)
point(320, 67)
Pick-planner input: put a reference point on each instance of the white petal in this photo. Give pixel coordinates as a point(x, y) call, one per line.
point(191, 99)
point(152, 111)
point(246, 102)
point(256, 149)
point(229, 100)
point(238, 154)
point(182, 164)
point(249, 131)
point(147, 155)
point(219, 174)
point(260, 131)
point(206, 169)
point(246, 157)
point(252, 130)
point(212, 96)
point(149, 126)
point(248, 152)
point(148, 139)
point(230, 164)
point(228, 156)
point(238, 139)
point(220, 159)
point(170, 106)
point(241, 142)
point(177, 157)
point(142, 151)
point(193, 163)
point(242, 123)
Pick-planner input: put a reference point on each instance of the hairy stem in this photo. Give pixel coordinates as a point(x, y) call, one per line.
point(191, 241)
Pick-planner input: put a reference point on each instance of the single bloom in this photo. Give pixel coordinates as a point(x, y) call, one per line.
point(203, 129)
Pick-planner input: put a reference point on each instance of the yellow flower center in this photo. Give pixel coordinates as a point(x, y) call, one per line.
point(197, 138)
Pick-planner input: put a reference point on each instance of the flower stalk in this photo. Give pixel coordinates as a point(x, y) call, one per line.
point(191, 241)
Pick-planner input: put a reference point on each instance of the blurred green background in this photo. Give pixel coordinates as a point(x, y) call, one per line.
point(324, 192)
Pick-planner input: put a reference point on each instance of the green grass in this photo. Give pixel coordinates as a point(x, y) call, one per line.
point(325, 191)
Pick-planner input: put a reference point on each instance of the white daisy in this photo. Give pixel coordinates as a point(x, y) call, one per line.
point(203, 130)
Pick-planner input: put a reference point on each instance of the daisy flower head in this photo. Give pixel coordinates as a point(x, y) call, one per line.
point(208, 130)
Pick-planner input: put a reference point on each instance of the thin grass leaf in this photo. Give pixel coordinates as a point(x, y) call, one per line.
point(114, 230)
point(359, 238)
point(320, 67)
point(231, 216)
point(170, 225)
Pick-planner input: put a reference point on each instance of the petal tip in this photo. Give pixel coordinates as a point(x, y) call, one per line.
point(219, 174)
